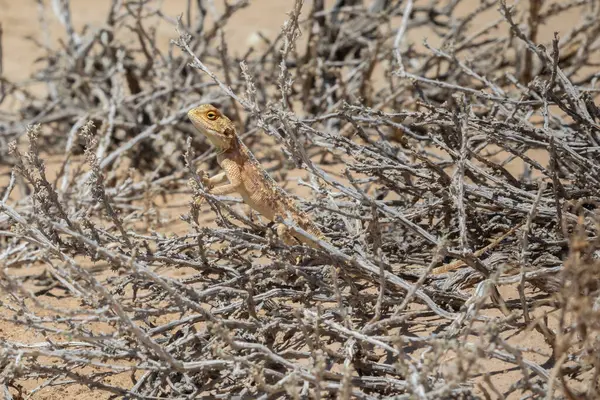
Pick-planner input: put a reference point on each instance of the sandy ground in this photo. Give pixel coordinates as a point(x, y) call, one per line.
point(20, 28)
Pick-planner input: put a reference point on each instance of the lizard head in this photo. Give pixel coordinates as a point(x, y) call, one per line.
point(217, 128)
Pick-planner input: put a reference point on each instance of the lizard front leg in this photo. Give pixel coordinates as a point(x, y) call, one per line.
point(232, 172)
point(210, 182)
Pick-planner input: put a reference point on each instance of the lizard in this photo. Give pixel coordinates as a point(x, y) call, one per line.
point(247, 177)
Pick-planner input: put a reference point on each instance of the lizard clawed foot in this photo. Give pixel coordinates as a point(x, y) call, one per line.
point(207, 183)
point(286, 235)
point(205, 179)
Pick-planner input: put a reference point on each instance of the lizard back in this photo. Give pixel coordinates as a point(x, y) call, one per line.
point(265, 195)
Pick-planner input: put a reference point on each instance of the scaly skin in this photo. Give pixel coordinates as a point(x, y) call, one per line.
point(247, 177)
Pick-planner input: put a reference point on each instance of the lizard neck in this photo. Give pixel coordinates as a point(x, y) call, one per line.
point(232, 151)
point(232, 145)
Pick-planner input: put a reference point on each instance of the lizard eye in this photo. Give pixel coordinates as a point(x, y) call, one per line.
point(211, 115)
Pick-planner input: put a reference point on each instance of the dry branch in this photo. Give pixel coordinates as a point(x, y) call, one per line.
point(458, 191)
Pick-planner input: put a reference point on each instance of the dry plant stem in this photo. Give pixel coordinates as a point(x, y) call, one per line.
point(523, 255)
point(405, 155)
point(478, 253)
point(400, 35)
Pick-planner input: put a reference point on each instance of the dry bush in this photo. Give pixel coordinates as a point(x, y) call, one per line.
point(481, 146)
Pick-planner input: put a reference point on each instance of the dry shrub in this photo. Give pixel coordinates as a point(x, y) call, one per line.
point(476, 152)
